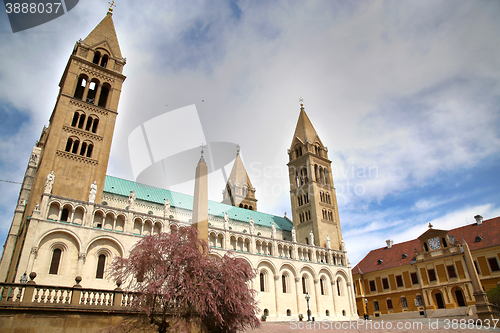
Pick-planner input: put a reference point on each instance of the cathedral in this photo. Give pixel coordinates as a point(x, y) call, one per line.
point(72, 219)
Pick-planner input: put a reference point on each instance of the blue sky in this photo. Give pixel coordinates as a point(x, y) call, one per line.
point(405, 95)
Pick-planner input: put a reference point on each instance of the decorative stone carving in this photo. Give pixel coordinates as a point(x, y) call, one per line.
point(37, 206)
point(297, 279)
point(226, 221)
point(276, 277)
point(21, 202)
point(49, 182)
point(273, 231)
point(34, 250)
point(294, 235)
point(82, 256)
point(33, 160)
point(316, 281)
point(252, 227)
point(92, 192)
point(311, 238)
point(328, 244)
point(342, 246)
point(166, 207)
point(131, 200)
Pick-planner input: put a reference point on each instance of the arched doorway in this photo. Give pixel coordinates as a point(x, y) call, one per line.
point(439, 300)
point(459, 297)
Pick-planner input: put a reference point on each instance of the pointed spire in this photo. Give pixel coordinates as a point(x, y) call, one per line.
point(238, 173)
point(239, 190)
point(105, 32)
point(304, 130)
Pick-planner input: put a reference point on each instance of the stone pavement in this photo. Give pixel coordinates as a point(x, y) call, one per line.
point(463, 324)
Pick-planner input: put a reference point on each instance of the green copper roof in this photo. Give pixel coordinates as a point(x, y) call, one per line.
point(157, 195)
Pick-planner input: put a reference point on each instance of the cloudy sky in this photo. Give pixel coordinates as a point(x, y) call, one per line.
point(405, 95)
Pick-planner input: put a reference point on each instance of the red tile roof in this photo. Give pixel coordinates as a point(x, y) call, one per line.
point(489, 231)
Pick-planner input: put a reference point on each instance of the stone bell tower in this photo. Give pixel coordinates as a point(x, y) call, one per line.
point(312, 194)
point(76, 144)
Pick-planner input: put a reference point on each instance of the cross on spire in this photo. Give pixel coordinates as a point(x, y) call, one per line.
point(111, 5)
point(301, 101)
point(202, 147)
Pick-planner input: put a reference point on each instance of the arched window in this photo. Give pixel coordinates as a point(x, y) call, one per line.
point(321, 286)
point(90, 147)
point(80, 87)
point(97, 57)
point(103, 98)
point(327, 312)
point(266, 312)
point(83, 150)
point(76, 144)
point(69, 144)
point(65, 215)
point(339, 287)
point(288, 312)
point(283, 282)
point(104, 61)
point(54, 264)
point(389, 304)
point(75, 119)
point(304, 286)
point(90, 120)
point(94, 84)
point(101, 262)
point(262, 282)
point(81, 121)
point(94, 125)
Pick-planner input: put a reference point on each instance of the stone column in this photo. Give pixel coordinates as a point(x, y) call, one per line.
point(317, 293)
point(332, 286)
point(276, 289)
point(298, 293)
point(81, 259)
point(31, 260)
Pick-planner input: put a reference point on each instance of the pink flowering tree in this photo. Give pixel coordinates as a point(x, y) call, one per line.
point(178, 285)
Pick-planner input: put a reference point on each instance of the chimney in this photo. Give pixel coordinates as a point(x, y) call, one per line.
point(479, 219)
point(389, 243)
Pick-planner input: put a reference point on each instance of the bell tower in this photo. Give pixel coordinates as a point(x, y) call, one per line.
point(312, 193)
point(77, 142)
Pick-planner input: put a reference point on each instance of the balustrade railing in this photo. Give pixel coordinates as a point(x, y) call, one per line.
point(255, 244)
point(31, 294)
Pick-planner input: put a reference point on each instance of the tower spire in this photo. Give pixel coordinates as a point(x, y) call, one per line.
point(239, 190)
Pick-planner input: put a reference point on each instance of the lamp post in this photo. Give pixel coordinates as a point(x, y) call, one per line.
point(367, 315)
point(308, 311)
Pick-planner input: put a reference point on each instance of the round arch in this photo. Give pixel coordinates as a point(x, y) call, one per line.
point(64, 231)
point(112, 239)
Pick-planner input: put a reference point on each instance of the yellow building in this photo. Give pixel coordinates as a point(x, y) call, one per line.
point(72, 219)
point(428, 273)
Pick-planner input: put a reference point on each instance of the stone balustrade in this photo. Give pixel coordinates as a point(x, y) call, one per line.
point(259, 245)
point(31, 294)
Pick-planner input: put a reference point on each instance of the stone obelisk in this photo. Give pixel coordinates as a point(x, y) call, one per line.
point(200, 200)
point(482, 303)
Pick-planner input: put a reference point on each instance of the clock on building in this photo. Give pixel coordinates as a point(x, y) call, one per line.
point(434, 243)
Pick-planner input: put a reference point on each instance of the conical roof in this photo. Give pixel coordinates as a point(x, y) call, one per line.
point(105, 32)
point(239, 173)
point(304, 129)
